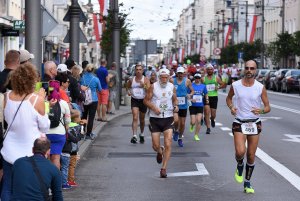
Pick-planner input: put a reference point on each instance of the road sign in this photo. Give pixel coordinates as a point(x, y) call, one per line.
point(19, 25)
point(240, 55)
point(217, 51)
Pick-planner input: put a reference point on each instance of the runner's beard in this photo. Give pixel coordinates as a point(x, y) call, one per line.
point(250, 75)
point(163, 85)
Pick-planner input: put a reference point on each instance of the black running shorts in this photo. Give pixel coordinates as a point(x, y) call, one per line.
point(195, 110)
point(139, 104)
point(213, 102)
point(160, 124)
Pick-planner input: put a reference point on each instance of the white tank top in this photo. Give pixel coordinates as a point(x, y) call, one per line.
point(162, 98)
point(137, 91)
point(245, 98)
point(25, 129)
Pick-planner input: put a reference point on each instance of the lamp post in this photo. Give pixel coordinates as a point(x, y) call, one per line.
point(262, 60)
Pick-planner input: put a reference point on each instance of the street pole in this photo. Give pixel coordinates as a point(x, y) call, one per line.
point(116, 49)
point(74, 30)
point(233, 25)
point(223, 28)
point(246, 25)
point(146, 51)
point(33, 31)
point(201, 33)
point(283, 17)
point(210, 38)
point(262, 33)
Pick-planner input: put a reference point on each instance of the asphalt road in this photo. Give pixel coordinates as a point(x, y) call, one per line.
point(113, 169)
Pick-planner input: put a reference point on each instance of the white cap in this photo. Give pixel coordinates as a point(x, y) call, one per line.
point(163, 71)
point(174, 62)
point(197, 64)
point(25, 56)
point(209, 65)
point(197, 75)
point(62, 68)
point(180, 70)
point(163, 67)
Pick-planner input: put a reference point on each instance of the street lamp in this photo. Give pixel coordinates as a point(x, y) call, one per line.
point(222, 12)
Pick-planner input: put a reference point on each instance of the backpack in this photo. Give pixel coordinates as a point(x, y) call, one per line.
point(54, 115)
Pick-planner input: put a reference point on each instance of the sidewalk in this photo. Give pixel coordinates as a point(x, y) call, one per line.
point(98, 125)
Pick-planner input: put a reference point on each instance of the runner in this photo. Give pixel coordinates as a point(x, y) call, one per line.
point(136, 88)
point(213, 83)
point(182, 85)
point(246, 108)
point(196, 109)
point(161, 100)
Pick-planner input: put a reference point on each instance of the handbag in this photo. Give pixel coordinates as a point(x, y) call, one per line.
point(4, 135)
point(88, 94)
point(42, 183)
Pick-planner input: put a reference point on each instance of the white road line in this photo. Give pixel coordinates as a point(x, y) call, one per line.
point(231, 134)
point(219, 124)
point(201, 170)
point(285, 108)
point(225, 129)
point(279, 168)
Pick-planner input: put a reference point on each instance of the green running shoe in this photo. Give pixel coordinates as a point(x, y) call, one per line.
point(196, 137)
point(249, 190)
point(238, 178)
point(192, 128)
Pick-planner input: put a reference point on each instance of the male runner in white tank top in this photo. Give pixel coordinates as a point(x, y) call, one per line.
point(246, 107)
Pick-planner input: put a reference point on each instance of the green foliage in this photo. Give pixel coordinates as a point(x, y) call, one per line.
point(297, 43)
point(106, 42)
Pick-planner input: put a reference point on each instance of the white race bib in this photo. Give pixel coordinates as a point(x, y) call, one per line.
point(249, 128)
point(138, 91)
point(162, 104)
point(211, 87)
point(181, 100)
point(198, 98)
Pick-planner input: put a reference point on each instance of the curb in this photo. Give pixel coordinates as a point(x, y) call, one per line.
point(85, 144)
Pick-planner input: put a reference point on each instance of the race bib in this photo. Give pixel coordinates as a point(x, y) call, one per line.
point(211, 87)
point(181, 100)
point(138, 91)
point(249, 128)
point(162, 104)
point(198, 98)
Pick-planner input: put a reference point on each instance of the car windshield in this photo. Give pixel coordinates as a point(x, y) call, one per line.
point(263, 72)
point(296, 73)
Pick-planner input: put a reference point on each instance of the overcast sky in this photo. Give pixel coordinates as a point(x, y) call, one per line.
point(152, 19)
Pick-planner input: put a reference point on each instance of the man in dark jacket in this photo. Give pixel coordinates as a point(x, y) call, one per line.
point(73, 87)
point(25, 182)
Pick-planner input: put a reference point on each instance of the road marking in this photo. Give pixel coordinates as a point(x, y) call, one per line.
point(225, 129)
point(293, 138)
point(231, 134)
point(279, 168)
point(276, 118)
point(201, 170)
point(282, 94)
point(285, 108)
point(219, 124)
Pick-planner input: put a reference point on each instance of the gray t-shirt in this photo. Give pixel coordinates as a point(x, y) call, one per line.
point(112, 85)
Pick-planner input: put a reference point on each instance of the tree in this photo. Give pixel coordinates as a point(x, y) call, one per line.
point(106, 42)
point(296, 46)
point(284, 46)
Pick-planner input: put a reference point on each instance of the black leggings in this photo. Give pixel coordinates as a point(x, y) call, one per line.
point(90, 110)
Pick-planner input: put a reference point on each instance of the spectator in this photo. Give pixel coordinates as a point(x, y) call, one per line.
point(25, 56)
point(73, 87)
point(90, 81)
point(50, 69)
point(84, 64)
point(21, 103)
point(25, 182)
point(102, 74)
point(112, 86)
point(11, 62)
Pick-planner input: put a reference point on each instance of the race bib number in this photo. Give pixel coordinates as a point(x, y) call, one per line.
point(198, 98)
point(162, 104)
point(138, 91)
point(211, 87)
point(181, 100)
point(249, 128)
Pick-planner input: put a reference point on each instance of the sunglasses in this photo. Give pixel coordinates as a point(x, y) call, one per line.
point(197, 77)
point(249, 68)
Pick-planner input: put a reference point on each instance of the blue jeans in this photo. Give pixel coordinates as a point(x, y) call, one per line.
point(64, 168)
point(6, 181)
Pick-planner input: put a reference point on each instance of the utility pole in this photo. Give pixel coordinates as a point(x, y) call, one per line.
point(116, 49)
point(33, 31)
point(74, 30)
point(223, 28)
point(262, 60)
point(201, 32)
point(246, 25)
point(283, 15)
point(233, 25)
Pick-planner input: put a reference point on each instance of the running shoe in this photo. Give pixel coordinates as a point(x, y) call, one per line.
point(142, 139)
point(208, 131)
point(180, 143)
point(248, 188)
point(175, 135)
point(192, 128)
point(160, 156)
point(163, 173)
point(72, 183)
point(133, 140)
point(213, 123)
point(66, 186)
point(196, 137)
point(238, 178)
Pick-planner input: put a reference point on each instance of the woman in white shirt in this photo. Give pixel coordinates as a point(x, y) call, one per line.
point(24, 125)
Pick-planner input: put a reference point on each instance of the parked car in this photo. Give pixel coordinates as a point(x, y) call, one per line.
point(261, 73)
point(275, 83)
point(290, 81)
point(267, 77)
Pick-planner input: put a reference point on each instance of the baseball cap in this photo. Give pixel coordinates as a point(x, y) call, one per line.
point(209, 65)
point(163, 67)
point(62, 68)
point(180, 70)
point(25, 56)
point(174, 62)
point(164, 71)
point(197, 75)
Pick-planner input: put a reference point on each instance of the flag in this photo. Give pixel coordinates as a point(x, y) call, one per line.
point(97, 27)
point(252, 28)
point(227, 34)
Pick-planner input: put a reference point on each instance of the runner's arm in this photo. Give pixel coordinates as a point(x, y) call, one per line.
point(128, 86)
point(147, 100)
point(189, 84)
point(265, 100)
point(229, 101)
point(175, 101)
